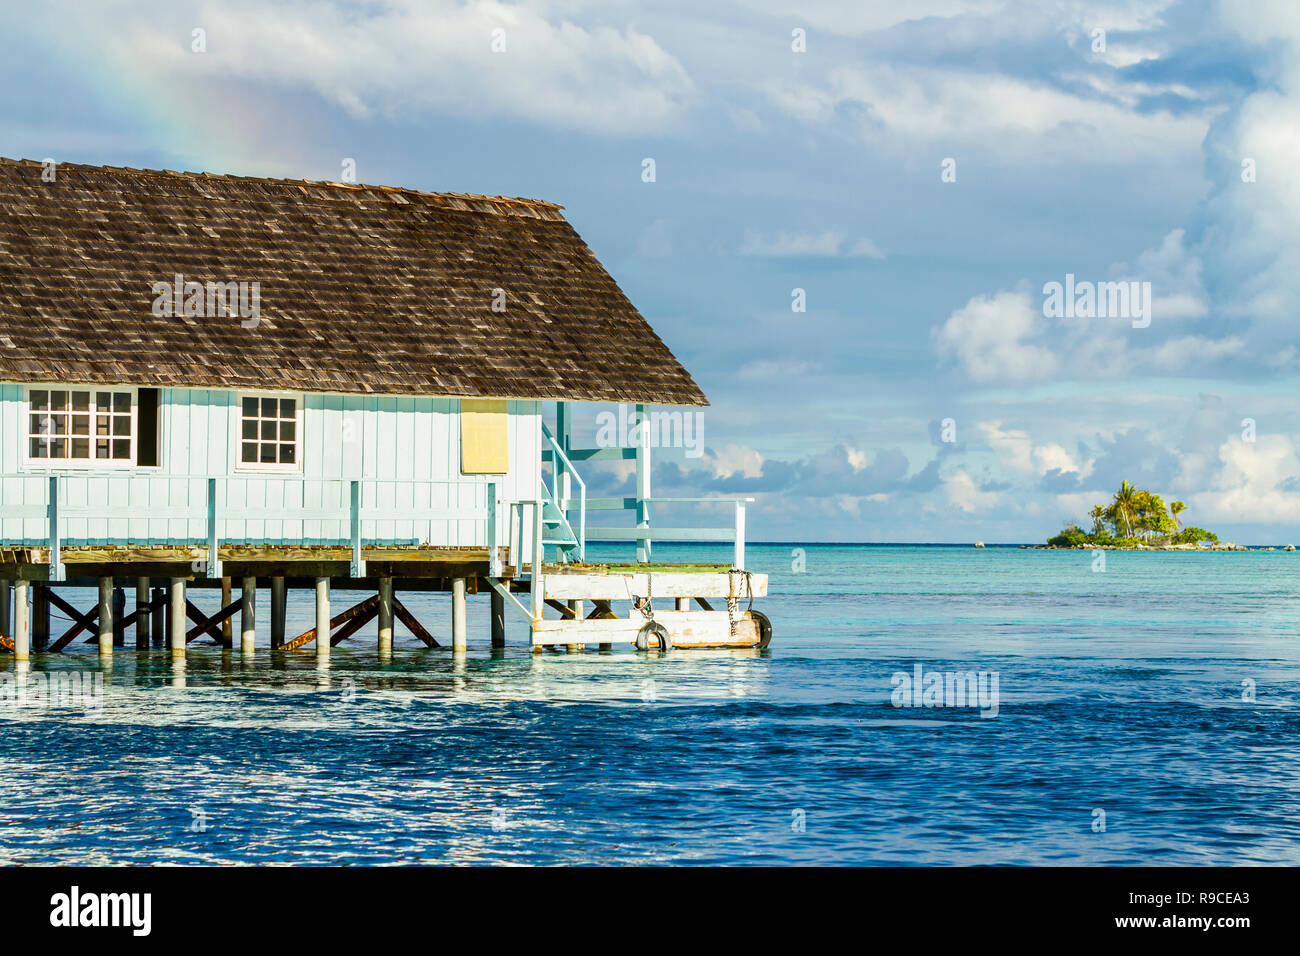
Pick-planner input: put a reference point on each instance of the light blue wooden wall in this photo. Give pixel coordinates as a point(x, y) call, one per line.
point(405, 451)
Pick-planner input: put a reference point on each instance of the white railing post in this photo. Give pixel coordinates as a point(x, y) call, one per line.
point(535, 579)
point(358, 566)
point(740, 536)
point(642, 482)
point(56, 565)
point(582, 523)
point(214, 556)
point(494, 556)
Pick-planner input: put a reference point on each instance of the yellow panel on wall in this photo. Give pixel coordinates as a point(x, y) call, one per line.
point(484, 445)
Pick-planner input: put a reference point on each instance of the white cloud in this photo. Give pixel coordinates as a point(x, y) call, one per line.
point(830, 244)
point(404, 57)
point(990, 337)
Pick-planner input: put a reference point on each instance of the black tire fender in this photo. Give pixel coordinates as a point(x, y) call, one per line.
point(653, 632)
point(764, 627)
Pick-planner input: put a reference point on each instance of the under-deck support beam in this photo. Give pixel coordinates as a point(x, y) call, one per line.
point(248, 615)
point(458, 614)
point(498, 619)
point(176, 616)
point(279, 605)
point(22, 622)
point(385, 618)
point(40, 617)
point(322, 620)
point(105, 624)
point(6, 602)
point(143, 618)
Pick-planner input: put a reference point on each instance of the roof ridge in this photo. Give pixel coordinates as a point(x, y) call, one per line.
point(525, 202)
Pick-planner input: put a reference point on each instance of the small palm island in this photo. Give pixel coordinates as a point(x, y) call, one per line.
point(1137, 518)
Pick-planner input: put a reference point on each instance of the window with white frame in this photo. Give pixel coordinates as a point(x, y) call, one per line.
point(75, 425)
point(268, 432)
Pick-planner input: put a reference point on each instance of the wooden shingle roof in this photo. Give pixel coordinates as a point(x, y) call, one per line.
point(363, 289)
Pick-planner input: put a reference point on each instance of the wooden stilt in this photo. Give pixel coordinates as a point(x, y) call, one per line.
point(6, 604)
point(227, 638)
point(386, 617)
point(40, 616)
point(22, 636)
point(119, 617)
point(458, 615)
point(176, 616)
point(105, 632)
point(498, 619)
point(323, 619)
point(279, 605)
point(576, 608)
point(247, 615)
point(159, 626)
point(143, 616)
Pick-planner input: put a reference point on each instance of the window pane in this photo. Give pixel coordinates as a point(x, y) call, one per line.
point(268, 453)
point(104, 400)
point(121, 448)
point(58, 448)
point(59, 424)
point(286, 454)
point(58, 401)
point(269, 430)
point(38, 425)
point(249, 453)
point(81, 448)
point(250, 428)
point(122, 401)
point(287, 429)
point(39, 449)
point(121, 424)
point(40, 399)
point(250, 408)
point(81, 401)
point(101, 448)
point(101, 424)
point(287, 406)
point(81, 424)
point(268, 407)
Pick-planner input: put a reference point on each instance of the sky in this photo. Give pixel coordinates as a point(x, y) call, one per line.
point(913, 173)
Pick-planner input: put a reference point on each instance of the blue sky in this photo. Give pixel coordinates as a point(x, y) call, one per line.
point(818, 170)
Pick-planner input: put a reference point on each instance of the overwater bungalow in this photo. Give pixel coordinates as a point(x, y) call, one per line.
point(228, 382)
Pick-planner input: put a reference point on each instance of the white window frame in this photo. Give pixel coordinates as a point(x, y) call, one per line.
point(274, 467)
point(79, 464)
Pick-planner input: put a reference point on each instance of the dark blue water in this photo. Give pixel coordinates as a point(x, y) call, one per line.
point(1120, 693)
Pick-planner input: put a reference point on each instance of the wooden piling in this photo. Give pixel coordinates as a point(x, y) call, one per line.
point(143, 618)
point(498, 619)
point(385, 617)
point(6, 601)
point(159, 626)
point(322, 620)
point(458, 614)
point(40, 616)
point(22, 622)
point(279, 605)
point(119, 617)
point(226, 636)
point(248, 615)
point(105, 623)
point(176, 616)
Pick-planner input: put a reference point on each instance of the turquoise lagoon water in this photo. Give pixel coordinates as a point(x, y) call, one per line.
point(1123, 699)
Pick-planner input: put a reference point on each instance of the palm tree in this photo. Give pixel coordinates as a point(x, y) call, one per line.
point(1175, 508)
point(1125, 505)
point(1098, 515)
